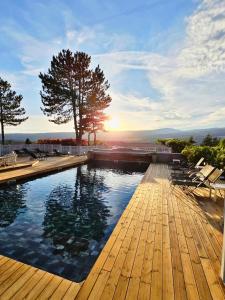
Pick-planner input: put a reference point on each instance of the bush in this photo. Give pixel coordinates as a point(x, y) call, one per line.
point(177, 145)
point(222, 143)
point(213, 155)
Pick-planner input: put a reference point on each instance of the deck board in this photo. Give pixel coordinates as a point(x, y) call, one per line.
point(166, 245)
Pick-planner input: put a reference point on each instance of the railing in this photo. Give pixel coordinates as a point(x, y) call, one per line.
point(73, 150)
point(77, 150)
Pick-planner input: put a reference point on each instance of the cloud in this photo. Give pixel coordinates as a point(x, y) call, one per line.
point(191, 80)
point(185, 87)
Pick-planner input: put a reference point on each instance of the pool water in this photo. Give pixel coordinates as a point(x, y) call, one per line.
point(60, 222)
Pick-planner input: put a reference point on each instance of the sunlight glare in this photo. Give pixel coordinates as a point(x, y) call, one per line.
point(112, 124)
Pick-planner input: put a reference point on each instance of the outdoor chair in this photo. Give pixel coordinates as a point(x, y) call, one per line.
point(19, 152)
point(58, 153)
point(196, 181)
point(41, 153)
point(186, 171)
point(33, 154)
point(213, 182)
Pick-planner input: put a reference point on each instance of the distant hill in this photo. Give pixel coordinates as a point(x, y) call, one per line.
point(126, 136)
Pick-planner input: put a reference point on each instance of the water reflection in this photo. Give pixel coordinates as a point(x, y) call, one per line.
point(61, 222)
point(12, 200)
point(77, 215)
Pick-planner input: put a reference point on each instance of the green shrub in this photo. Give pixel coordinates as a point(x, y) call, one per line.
point(222, 143)
point(177, 145)
point(213, 155)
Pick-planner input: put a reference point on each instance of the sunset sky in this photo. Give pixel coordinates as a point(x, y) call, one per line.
point(165, 60)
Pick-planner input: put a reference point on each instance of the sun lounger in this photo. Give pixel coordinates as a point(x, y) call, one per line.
point(214, 183)
point(33, 154)
point(58, 153)
point(42, 153)
point(192, 169)
point(199, 178)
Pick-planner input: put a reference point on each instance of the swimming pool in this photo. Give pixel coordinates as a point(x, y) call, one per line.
point(60, 222)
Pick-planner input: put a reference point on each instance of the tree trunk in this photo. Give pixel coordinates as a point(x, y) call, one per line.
point(75, 120)
point(3, 133)
point(95, 138)
point(2, 123)
point(89, 138)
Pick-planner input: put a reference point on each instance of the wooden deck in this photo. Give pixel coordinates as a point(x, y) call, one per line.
point(165, 246)
point(42, 167)
point(20, 281)
point(19, 165)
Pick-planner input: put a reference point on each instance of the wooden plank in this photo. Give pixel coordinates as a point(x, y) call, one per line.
point(13, 276)
point(61, 289)
point(8, 263)
point(146, 274)
point(179, 284)
point(156, 286)
point(50, 288)
point(72, 292)
point(121, 288)
point(14, 287)
point(29, 285)
point(168, 289)
point(14, 266)
point(133, 288)
point(99, 285)
point(40, 286)
point(212, 280)
point(144, 291)
point(190, 283)
point(200, 279)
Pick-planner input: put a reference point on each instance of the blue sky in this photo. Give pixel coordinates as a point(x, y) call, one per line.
point(164, 59)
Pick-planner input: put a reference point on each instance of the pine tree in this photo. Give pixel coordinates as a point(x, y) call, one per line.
point(65, 89)
point(73, 91)
point(98, 100)
point(11, 112)
point(209, 140)
point(191, 140)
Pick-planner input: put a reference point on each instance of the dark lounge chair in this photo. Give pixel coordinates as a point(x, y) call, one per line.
point(202, 174)
point(189, 169)
point(208, 174)
point(58, 153)
point(33, 154)
point(42, 153)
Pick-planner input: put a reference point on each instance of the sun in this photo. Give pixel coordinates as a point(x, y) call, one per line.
point(112, 124)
